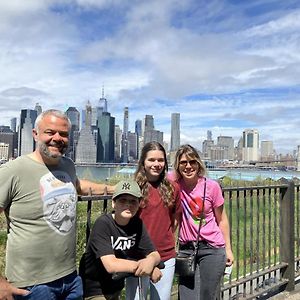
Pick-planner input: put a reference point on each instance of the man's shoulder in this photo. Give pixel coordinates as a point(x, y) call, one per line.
point(15, 163)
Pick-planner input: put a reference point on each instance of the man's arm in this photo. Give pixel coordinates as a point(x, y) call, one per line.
point(85, 187)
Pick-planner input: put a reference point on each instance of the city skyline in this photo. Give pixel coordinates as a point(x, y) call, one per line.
point(225, 66)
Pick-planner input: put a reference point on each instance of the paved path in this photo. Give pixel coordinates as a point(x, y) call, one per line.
point(295, 295)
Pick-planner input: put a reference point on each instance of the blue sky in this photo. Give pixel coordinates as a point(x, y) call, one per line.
point(224, 65)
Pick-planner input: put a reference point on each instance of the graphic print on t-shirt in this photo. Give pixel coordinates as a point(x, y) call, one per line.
point(59, 201)
point(123, 242)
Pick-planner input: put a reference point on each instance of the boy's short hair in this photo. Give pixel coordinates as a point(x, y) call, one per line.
point(129, 187)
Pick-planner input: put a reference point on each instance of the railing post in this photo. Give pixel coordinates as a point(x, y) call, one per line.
point(88, 218)
point(287, 232)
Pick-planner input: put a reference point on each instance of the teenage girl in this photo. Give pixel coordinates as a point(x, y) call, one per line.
point(160, 210)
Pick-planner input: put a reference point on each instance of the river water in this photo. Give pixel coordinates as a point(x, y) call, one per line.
point(100, 173)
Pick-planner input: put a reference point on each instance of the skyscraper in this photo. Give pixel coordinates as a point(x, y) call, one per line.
point(106, 141)
point(26, 142)
point(74, 116)
point(138, 127)
point(13, 124)
point(227, 143)
point(139, 136)
point(250, 145)
point(132, 145)
point(125, 146)
point(118, 141)
point(148, 123)
point(86, 150)
point(38, 108)
point(153, 135)
point(266, 150)
point(8, 137)
point(209, 135)
point(175, 131)
point(103, 102)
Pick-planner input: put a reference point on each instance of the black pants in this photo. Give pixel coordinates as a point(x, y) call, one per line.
point(210, 268)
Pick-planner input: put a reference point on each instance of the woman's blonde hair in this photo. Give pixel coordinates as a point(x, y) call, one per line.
point(165, 187)
point(191, 153)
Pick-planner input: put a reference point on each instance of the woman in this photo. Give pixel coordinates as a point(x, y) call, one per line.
point(214, 241)
point(160, 211)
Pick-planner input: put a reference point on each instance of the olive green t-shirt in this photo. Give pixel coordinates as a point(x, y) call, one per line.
point(40, 205)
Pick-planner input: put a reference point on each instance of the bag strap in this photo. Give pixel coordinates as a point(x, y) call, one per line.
point(201, 219)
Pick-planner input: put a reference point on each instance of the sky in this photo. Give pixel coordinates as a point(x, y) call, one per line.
point(224, 65)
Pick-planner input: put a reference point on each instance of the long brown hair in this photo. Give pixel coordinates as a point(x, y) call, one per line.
point(166, 189)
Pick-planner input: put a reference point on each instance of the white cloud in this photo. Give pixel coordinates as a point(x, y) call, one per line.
point(165, 50)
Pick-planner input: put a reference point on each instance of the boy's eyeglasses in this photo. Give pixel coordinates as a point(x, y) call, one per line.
point(193, 163)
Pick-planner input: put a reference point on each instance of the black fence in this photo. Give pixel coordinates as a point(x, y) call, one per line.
point(265, 235)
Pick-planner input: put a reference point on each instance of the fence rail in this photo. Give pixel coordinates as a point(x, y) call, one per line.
point(265, 235)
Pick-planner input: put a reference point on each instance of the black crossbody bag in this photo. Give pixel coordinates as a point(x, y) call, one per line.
point(186, 260)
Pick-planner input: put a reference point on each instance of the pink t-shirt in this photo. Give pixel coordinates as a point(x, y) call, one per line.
point(191, 206)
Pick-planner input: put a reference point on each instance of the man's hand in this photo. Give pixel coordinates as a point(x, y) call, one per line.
point(7, 290)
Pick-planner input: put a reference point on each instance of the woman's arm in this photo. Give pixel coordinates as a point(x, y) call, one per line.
point(223, 223)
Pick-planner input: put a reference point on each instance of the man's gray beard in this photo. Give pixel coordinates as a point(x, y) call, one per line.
point(44, 149)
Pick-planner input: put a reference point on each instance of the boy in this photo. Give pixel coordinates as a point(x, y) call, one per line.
point(118, 242)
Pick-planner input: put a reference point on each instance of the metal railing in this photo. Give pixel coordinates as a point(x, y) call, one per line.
point(265, 236)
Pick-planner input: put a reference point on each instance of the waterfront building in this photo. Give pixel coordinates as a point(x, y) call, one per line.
point(139, 134)
point(118, 141)
point(106, 141)
point(8, 137)
point(238, 150)
point(150, 134)
point(250, 145)
point(266, 150)
point(138, 127)
point(148, 123)
point(218, 153)
point(13, 124)
point(125, 145)
point(74, 116)
point(133, 146)
point(153, 135)
point(175, 131)
point(4, 149)
point(38, 108)
point(206, 148)
point(209, 135)
point(226, 143)
point(86, 150)
point(26, 143)
point(207, 145)
point(103, 102)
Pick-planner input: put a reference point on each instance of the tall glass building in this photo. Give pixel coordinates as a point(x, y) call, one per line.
point(250, 145)
point(175, 131)
point(26, 143)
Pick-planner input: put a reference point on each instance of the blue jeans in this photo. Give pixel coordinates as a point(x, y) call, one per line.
point(158, 291)
point(65, 288)
point(210, 268)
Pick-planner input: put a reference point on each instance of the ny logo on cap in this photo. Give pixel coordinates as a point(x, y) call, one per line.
point(126, 186)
